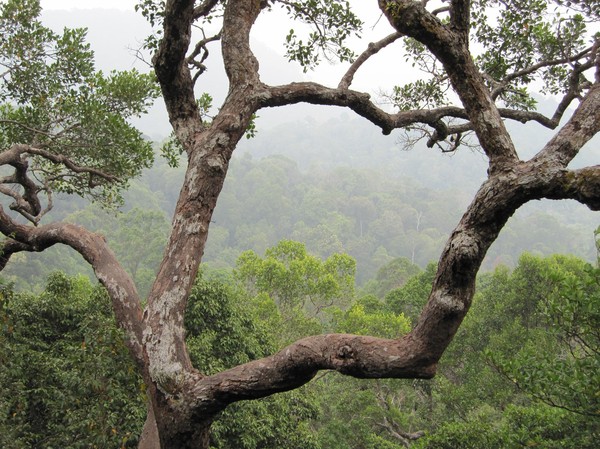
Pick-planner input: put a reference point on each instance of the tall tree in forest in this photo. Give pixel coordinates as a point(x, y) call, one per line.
point(481, 59)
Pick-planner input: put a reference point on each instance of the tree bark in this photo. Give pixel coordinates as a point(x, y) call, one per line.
point(184, 401)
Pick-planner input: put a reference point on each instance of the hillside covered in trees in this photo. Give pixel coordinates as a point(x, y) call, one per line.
point(363, 195)
point(513, 378)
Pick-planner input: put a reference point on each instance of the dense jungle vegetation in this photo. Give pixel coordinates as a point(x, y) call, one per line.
point(363, 196)
point(516, 376)
point(62, 376)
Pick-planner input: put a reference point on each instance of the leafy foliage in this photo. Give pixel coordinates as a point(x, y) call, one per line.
point(508, 338)
point(518, 53)
point(62, 347)
point(566, 373)
point(393, 274)
point(66, 376)
point(297, 280)
point(51, 98)
point(223, 328)
point(515, 427)
point(368, 317)
point(226, 328)
point(332, 23)
point(519, 41)
point(410, 298)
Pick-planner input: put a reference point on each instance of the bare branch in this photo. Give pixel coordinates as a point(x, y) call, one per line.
point(399, 434)
point(204, 9)
point(361, 103)
point(295, 365)
point(572, 93)
point(456, 136)
point(8, 247)
point(372, 49)
point(441, 10)
point(582, 185)
point(201, 47)
point(580, 128)
point(95, 251)
point(28, 202)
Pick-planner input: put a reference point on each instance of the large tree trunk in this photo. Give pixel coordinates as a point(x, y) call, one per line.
point(184, 401)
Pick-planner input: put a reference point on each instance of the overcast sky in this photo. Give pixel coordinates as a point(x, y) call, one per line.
point(115, 45)
point(271, 29)
point(88, 4)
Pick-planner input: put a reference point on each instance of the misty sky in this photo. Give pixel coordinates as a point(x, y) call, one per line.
point(88, 4)
point(115, 31)
point(115, 47)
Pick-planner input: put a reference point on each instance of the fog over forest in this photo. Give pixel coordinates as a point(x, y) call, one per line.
point(325, 177)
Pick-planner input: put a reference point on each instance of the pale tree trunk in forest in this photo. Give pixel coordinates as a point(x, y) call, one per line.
point(183, 401)
point(511, 183)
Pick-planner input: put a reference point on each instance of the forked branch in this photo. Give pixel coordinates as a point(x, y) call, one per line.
point(23, 187)
point(581, 127)
point(204, 9)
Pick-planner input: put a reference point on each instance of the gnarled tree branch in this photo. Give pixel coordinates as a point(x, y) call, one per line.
point(173, 72)
point(95, 251)
point(451, 50)
point(581, 127)
point(204, 9)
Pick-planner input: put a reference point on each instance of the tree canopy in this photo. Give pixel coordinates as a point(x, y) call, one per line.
point(63, 125)
point(66, 376)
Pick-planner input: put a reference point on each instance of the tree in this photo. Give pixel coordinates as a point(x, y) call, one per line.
point(517, 375)
point(490, 70)
point(392, 275)
point(63, 126)
point(224, 330)
point(296, 280)
point(565, 373)
point(65, 373)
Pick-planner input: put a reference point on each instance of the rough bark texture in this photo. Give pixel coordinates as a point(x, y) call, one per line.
point(183, 402)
